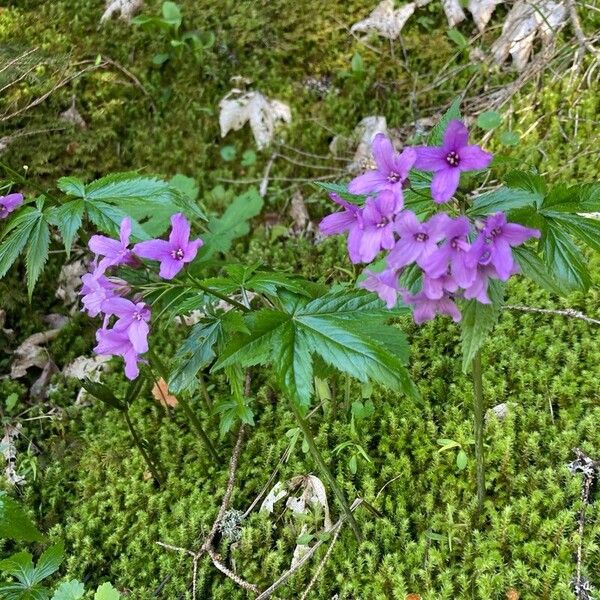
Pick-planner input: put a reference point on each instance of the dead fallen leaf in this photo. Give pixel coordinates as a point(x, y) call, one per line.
point(86, 367)
point(72, 115)
point(125, 8)
point(160, 391)
point(363, 136)
point(512, 594)
point(9, 451)
point(413, 597)
point(69, 281)
point(385, 20)
point(527, 20)
point(482, 11)
point(298, 211)
point(238, 108)
point(31, 354)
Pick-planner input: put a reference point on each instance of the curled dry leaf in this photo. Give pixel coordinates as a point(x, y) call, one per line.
point(526, 20)
point(31, 353)
point(72, 115)
point(385, 20)
point(363, 136)
point(160, 391)
point(126, 9)
point(482, 11)
point(9, 452)
point(454, 12)
point(69, 281)
point(86, 367)
point(298, 211)
point(238, 108)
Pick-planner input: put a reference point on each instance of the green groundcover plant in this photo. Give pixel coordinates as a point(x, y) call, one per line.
point(449, 249)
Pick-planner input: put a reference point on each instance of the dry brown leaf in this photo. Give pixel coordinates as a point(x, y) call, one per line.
point(512, 594)
point(238, 108)
point(72, 115)
point(413, 597)
point(160, 391)
point(298, 211)
point(31, 354)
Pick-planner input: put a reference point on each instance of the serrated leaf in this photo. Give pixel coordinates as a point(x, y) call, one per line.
point(103, 393)
point(231, 225)
point(583, 198)
point(341, 189)
point(436, 137)
point(107, 592)
point(502, 199)
point(68, 217)
point(69, 590)
point(14, 522)
point(527, 180)
point(478, 320)
point(533, 267)
point(564, 259)
point(13, 244)
point(37, 252)
point(584, 229)
point(108, 219)
point(72, 186)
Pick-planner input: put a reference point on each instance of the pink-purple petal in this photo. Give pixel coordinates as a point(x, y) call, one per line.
point(455, 137)
point(371, 181)
point(430, 158)
point(153, 249)
point(473, 158)
point(444, 184)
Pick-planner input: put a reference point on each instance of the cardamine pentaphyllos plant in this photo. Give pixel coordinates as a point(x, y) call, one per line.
point(450, 251)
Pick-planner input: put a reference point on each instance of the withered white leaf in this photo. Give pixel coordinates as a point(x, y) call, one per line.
point(69, 281)
point(482, 11)
point(73, 116)
point(86, 367)
point(125, 8)
point(363, 135)
point(454, 12)
point(526, 20)
point(238, 108)
point(9, 452)
point(385, 20)
point(31, 353)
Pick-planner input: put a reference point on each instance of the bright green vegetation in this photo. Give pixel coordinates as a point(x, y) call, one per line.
point(90, 490)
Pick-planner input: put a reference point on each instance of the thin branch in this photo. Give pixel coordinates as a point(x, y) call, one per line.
point(567, 312)
point(578, 30)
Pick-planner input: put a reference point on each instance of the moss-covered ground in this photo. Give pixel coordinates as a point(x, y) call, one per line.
point(87, 483)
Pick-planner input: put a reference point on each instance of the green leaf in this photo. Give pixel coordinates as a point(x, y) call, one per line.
point(527, 180)
point(478, 320)
point(502, 199)
point(68, 217)
point(185, 185)
point(489, 120)
point(564, 259)
point(248, 158)
point(37, 252)
point(584, 198)
point(49, 562)
point(71, 186)
point(231, 225)
point(171, 14)
point(533, 267)
point(341, 189)
point(108, 219)
point(305, 539)
point(357, 64)
point(458, 38)
point(461, 460)
point(228, 153)
point(107, 592)
point(196, 352)
point(436, 137)
point(14, 522)
point(69, 590)
point(103, 393)
point(586, 230)
point(20, 229)
point(509, 138)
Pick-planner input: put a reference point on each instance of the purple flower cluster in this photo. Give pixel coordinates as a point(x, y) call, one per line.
point(457, 257)
point(9, 203)
point(105, 295)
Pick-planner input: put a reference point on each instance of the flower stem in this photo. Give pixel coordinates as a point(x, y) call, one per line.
point(217, 294)
point(138, 443)
point(318, 458)
point(479, 410)
point(198, 429)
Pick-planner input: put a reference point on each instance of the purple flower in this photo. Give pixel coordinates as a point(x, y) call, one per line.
point(116, 342)
point(494, 243)
point(378, 224)
point(95, 290)
point(115, 252)
point(454, 253)
point(384, 284)
point(434, 288)
point(426, 308)
point(173, 254)
point(348, 220)
point(448, 160)
point(9, 203)
point(391, 172)
point(132, 318)
point(417, 240)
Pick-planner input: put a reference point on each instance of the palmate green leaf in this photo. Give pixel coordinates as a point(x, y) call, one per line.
point(502, 199)
point(436, 136)
point(528, 181)
point(478, 320)
point(107, 592)
point(339, 328)
point(341, 189)
point(68, 217)
point(69, 590)
point(582, 198)
point(564, 259)
point(107, 218)
point(72, 186)
point(234, 223)
point(37, 252)
point(533, 266)
point(14, 522)
point(586, 230)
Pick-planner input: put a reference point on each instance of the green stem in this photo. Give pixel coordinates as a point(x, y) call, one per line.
point(205, 394)
point(347, 394)
point(217, 294)
point(26, 181)
point(318, 458)
point(198, 428)
point(479, 410)
point(138, 443)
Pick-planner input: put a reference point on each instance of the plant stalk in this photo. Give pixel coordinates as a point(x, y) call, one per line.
point(318, 458)
point(479, 412)
point(198, 429)
point(145, 455)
